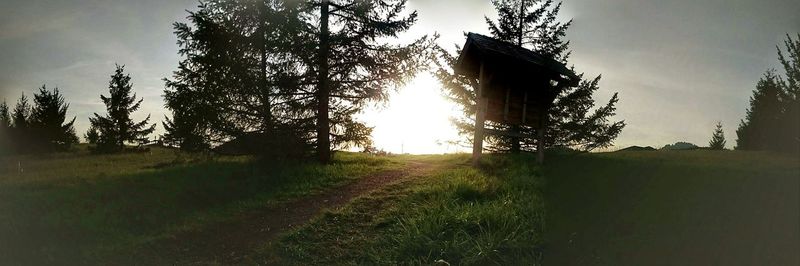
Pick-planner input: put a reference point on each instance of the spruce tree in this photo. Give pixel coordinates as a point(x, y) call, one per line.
point(92, 135)
point(790, 60)
point(239, 73)
point(5, 129)
point(49, 128)
point(573, 120)
point(356, 65)
point(771, 122)
point(116, 128)
point(760, 130)
point(21, 113)
point(256, 67)
point(20, 127)
point(717, 141)
point(532, 24)
point(5, 118)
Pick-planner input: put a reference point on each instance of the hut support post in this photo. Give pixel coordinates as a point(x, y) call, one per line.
point(480, 117)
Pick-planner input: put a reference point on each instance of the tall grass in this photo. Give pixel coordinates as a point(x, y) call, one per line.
point(459, 215)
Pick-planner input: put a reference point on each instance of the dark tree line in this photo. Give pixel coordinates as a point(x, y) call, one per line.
point(574, 121)
point(267, 69)
point(42, 126)
point(37, 127)
point(773, 119)
point(283, 74)
point(278, 68)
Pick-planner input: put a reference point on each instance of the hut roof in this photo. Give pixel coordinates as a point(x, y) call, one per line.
point(490, 48)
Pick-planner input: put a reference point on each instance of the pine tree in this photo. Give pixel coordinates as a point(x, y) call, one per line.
point(116, 128)
point(216, 65)
point(791, 97)
point(717, 141)
point(532, 24)
point(771, 122)
point(20, 127)
point(239, 75)
point(575, 122)
point(760, 128)
point(256, 67)
point(92, 135)
point(5, 129)
point(49, 127)
point(356, 66)
point(22, 111)
point(5, 117)
point(573, 119)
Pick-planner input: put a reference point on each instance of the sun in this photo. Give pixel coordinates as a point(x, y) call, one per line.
point(416, 120)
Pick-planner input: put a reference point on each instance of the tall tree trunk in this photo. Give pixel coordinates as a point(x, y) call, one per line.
point(323, 91)
point(265, 97)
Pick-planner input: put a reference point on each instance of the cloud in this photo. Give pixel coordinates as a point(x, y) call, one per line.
point(22, 29)
point(23, 19)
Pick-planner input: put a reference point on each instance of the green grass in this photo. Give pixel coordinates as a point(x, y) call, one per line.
point(672, 207)
point(622, 208)
point(77, 207)
point(459, 214)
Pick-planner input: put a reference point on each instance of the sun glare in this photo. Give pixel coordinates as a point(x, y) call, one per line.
point(416, 120)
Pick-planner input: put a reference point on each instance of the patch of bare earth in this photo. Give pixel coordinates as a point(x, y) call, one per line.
point(231, 242)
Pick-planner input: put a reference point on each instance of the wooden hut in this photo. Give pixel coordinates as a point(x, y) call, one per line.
point(517, 86)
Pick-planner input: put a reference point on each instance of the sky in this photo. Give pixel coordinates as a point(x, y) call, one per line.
point(678, 66)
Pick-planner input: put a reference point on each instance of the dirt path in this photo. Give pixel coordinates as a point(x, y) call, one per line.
point(231, 242)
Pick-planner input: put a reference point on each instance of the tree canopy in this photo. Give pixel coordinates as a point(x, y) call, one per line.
point(717, 141)
point(111, 132)
point(38, 127)
point(357, 66)
point(48, 125)
point(5, 129)
point(271, 65)
point(771, 122)
point(573, 120)
point(21, 113)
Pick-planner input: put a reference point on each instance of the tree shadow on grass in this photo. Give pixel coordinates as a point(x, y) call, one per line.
point(81, 221)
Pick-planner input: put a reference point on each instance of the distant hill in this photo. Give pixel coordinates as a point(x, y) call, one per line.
point(638, 148)
point(681, 146)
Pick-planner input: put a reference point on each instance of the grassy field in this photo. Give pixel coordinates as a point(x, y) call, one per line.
point(673, 208)
point(77, 207)
point(459, 215)
point(621, 208)
point(624, 208)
